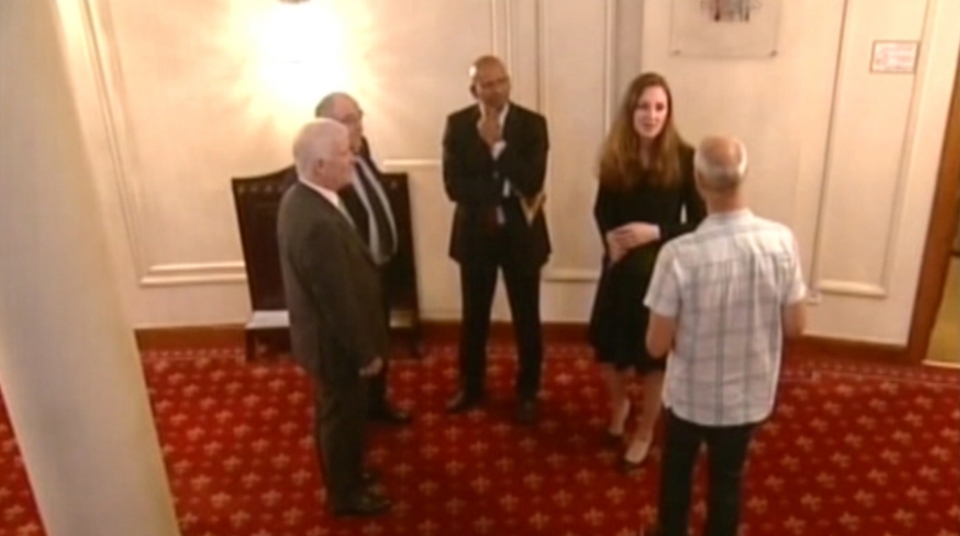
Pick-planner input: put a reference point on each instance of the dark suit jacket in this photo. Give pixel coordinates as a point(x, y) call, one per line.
point(332, 288)
point(353, 203)
point(474, 181)
point(289, 178)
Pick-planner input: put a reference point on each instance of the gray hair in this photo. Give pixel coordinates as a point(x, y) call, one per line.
point(324, 108)
point(314, 143)
point(721, 162)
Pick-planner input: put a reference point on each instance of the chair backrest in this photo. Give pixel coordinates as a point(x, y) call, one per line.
point(257, 202)
point(402, 273)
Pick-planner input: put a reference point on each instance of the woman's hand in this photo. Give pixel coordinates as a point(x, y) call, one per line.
point(615, 249)
point(634, 235)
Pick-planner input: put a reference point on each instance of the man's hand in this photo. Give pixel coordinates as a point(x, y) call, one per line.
point(633, 235)
point(490, 129)
point(373, 368)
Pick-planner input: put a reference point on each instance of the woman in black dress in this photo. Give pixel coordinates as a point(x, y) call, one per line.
point(646, 196)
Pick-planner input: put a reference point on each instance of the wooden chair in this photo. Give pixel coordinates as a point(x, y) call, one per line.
point(257, 202)
point(402, 271)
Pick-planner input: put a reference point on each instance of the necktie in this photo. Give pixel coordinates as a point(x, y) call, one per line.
point(384, 231)
point(346, 214)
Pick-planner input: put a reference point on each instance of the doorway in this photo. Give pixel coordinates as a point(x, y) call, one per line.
point(934, 331)
point(944, 348)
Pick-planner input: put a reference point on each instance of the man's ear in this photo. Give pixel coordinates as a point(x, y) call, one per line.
point(473, 90)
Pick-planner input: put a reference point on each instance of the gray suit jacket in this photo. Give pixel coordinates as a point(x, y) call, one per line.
point(332, 288)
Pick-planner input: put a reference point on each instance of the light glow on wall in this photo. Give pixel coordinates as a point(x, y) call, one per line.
point(301, 52)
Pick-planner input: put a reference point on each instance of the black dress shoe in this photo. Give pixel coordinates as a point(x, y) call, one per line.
point(464, 401)
point(366, 505)
point(527, 412)
point(628, 468)
point(390, 415)
point(613, 440)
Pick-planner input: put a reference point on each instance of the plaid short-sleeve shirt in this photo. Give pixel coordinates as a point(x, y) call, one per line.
point(726, 285)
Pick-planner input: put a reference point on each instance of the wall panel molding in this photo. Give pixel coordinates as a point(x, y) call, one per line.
point(552, 272)
point(93, 19)
point(879, 288)
point(405, 164)
point(851, 288)
point(817, 238)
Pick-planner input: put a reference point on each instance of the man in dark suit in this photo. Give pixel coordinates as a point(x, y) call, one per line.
point(333, 293)
point(494, 164)
point(366, 201)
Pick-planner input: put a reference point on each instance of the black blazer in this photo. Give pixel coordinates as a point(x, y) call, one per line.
point(332, 288)
point(474, 181)
point(353, 203)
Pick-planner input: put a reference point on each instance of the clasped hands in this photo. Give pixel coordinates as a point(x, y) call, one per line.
point(631, 235)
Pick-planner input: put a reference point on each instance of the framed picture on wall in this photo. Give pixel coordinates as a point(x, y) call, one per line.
point(725, 28)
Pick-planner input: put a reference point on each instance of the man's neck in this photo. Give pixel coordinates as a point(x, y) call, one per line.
point(725, 204)
point(489, 110)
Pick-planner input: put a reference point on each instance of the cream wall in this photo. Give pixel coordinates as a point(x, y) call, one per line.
point(176, 100)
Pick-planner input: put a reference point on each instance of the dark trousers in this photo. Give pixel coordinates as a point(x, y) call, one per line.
point(726, 453)
point(341, 416)
point(378, 383)
point(478, 280)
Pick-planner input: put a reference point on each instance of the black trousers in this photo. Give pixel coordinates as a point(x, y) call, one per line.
point(478, 280)
point(378, 384)
point(726, 453)
point(339, 430)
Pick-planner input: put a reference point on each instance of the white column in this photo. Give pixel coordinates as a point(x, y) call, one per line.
point(69, 369)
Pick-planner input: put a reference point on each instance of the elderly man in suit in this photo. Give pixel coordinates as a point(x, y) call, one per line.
point(367, 203)
point(333, 294)
point(494, 164)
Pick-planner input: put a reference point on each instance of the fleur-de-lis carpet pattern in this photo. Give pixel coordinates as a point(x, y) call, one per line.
point(852, 449)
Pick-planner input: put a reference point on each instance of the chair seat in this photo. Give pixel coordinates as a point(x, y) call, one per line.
point(269, 320)
point(402, 318)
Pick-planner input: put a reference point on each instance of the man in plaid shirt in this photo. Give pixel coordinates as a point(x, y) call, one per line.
point(722, 299)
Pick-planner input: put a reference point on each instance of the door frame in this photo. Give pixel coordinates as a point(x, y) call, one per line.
point(940, 235)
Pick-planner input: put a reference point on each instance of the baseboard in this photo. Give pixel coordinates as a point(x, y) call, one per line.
point(174, 338)
point(434, 332)
point(447, 332)
point(831, 349)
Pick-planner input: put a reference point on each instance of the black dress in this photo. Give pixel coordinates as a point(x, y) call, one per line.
point(618, 323)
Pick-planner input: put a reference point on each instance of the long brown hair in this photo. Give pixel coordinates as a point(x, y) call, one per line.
point(620, 164)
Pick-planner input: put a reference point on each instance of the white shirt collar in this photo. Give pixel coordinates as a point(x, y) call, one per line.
point(728, 216)
point(327, 193)
point(503, 113)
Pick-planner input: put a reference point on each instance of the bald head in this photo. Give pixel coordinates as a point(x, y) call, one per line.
point(486, 61)
point(489, 82)
point(720, 163)
point(321, 153)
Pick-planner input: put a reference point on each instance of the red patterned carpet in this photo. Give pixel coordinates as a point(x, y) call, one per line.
point(851, 450)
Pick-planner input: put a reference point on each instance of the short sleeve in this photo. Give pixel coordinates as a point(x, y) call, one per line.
point(794, 287)
point(663, 296)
